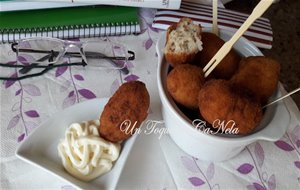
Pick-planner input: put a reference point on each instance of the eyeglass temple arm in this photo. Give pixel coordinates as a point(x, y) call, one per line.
point(46, 69)
point(32, 50)
point(124, 70)
point(25, 77)
point(103, 56)
point(113, 59)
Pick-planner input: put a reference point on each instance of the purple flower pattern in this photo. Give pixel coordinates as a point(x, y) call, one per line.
point(75, 94)
point(26, 118)
point(291, 143)
point(200, 178)
point(266, 181)
point(258, 156)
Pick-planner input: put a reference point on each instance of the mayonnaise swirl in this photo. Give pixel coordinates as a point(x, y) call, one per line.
point(84, 154)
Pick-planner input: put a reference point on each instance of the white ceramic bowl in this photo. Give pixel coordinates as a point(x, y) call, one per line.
point(216, 147)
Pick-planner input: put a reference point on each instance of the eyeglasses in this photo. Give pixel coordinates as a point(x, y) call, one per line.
point(43, 54)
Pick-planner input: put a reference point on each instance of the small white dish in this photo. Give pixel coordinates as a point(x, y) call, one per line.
point(216, 147)
point(40, 147)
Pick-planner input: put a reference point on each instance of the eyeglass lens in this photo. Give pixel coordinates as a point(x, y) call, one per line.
point(39, 51)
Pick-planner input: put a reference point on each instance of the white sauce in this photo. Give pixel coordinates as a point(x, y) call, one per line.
point(84, 154)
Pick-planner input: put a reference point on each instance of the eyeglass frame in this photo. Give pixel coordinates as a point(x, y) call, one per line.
point(51, 64)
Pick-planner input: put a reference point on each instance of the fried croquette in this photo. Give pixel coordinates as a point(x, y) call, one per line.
point(124, 112)
point(259, 75)
point(183, 41)
point(184, 83)
point(211, 44)
point(219, 101)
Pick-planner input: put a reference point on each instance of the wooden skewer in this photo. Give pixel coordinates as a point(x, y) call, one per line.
point(287, 95)
point(215, 29)
point(260, 8)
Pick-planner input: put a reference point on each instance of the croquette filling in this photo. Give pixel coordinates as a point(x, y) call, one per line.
point(184, 39)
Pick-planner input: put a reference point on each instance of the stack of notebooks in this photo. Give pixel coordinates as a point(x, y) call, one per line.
point(68, 22)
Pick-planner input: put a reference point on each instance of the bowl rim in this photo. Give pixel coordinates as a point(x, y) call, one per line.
point(258, 135)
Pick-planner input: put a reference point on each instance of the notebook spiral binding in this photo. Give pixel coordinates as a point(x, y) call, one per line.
point(74, 31)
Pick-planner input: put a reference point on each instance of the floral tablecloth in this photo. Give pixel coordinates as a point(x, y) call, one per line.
point(155, 162)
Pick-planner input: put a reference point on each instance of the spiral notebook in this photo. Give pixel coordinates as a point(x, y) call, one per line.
point(71, 22)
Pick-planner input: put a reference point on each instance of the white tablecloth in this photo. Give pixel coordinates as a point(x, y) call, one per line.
point(154, 163)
